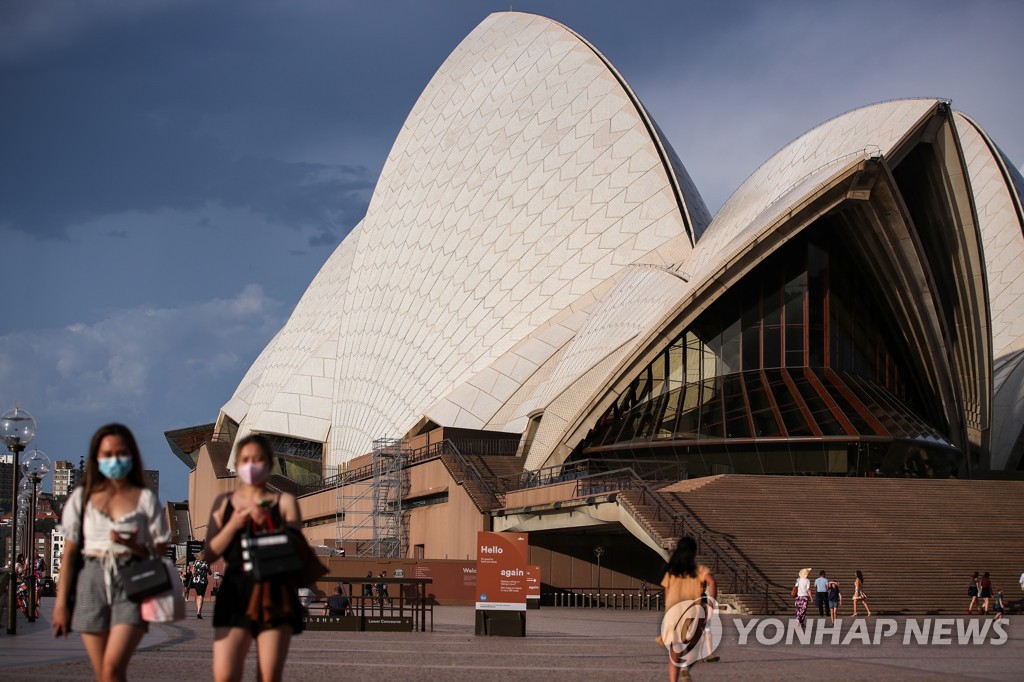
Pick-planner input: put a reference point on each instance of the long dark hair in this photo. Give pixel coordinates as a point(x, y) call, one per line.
point(261, 442)
point(860, 577)
point(93, 477)
point(683, 562)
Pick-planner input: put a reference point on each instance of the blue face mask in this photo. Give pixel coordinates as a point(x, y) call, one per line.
point(115, 468)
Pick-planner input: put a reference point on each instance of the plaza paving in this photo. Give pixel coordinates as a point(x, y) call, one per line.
point(562, 644)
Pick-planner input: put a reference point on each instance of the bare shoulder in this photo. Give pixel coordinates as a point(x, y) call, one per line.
point(220, 502)
point(289, 506)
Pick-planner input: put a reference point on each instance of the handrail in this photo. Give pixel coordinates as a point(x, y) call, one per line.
point(365, 471)
point(439, 449)
point(571, 471)
point(470, 468)
point(420, 454)
point(627, 479)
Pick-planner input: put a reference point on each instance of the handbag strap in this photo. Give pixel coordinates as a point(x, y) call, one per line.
point(81, 524)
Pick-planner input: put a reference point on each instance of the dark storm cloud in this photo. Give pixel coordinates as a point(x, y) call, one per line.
point(287, 110)
point(127, 164)
point(113, 110)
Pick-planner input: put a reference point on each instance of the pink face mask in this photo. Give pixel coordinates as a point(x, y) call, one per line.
point(253, 473)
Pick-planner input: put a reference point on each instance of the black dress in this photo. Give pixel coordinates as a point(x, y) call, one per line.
point(236, 590)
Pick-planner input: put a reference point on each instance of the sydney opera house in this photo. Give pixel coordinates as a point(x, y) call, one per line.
point(538, 304)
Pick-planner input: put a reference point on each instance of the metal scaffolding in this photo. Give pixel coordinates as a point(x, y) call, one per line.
point(369, 511)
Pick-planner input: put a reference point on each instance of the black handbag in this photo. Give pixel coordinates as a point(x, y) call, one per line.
point(145, 578)
point(270, 555)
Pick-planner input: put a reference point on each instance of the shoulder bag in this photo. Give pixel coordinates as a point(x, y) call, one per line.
point(168, 606)
point(145, 578)
point(280, 554)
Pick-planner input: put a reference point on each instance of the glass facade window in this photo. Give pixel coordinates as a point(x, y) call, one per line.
point(801, 350)
point(298, 459)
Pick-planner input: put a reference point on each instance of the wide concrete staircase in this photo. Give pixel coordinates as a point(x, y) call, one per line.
point(916, 541)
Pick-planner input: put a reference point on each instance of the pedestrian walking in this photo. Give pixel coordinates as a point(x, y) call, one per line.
point(835, 599)
point(802, 595)
point(1000, 605)
point(109, 522)
point(859, 595)
point(382, 590)
point(368, 589)
point(246, 610)
point(186, 581)
point(985, 593)
point(200, 581)
point(973, 589)
point(821, 593)
point(686, 581)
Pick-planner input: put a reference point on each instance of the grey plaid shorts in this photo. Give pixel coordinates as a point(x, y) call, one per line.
point(92, 612)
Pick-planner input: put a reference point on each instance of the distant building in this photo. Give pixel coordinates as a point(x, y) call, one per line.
point(65, 478)
point(178, 521)
point(5, 481)
point(56, 549)
point(153, 480)
point(42, 548)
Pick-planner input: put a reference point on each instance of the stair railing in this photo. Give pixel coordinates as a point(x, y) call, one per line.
point(467, 470)
point(740, 578)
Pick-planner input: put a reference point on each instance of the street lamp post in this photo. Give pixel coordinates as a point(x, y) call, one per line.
point(599, 552)
point(35, 468)
point(17, 429)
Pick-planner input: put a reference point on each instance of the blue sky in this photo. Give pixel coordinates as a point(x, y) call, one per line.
point(173, 173)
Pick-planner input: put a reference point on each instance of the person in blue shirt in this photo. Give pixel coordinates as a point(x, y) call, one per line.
point(821, 593)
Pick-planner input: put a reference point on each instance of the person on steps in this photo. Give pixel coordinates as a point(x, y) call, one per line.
point(859, 595)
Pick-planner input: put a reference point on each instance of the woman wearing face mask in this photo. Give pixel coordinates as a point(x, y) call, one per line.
point(122, 520)
point(245, 610)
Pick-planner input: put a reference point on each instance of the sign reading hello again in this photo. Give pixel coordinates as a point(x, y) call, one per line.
point(501, 571)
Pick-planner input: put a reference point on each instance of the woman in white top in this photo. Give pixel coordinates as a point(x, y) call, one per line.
point(803, 595)
point(122, 521)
